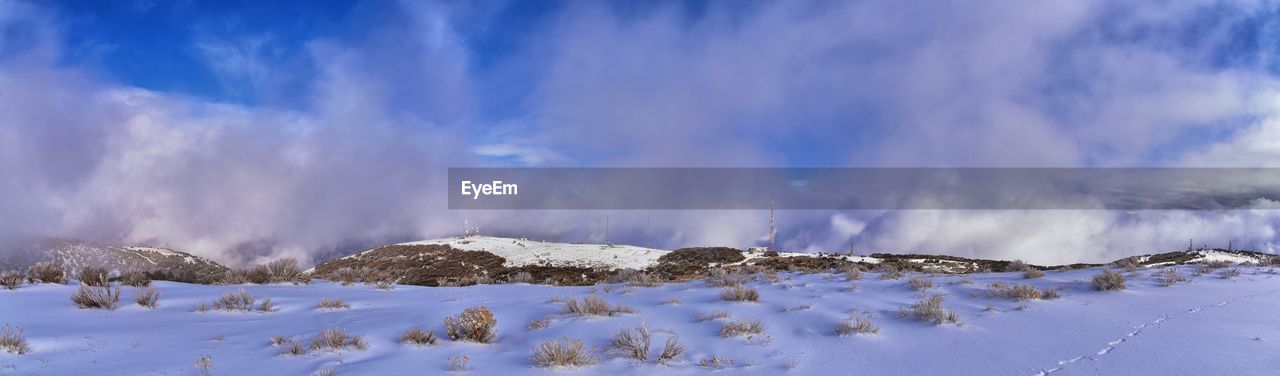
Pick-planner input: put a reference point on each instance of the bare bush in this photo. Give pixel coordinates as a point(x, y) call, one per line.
point(473, 324)
point(1015, 292)
point(418, 336)
point(45, 272)
point(930, 310)
point(889, 272)
point(563, 353)
point(1169, 277)
point(11, 279)
point(94, 276)
point(538, 324)
point(860, 325)
point(633, 343)
point(135, 279)
point(740, 294)
point(1129, 264)
point(714, 315)
point(742, 328)
point(347, 276)
point(1108, 280)
point(720, 277)
point(670, 351)
point(258, 274)
point(1050, 294)
point(919, 284)
point(94, 297)
point(643, 280)
point(1229, 273)
point(386, 280)
point(1016, 266)
point(285, 270)
point(337, 339)
point(293, 348)
point(146, 296)
point(521, 277)
point(852, 272)
point(594, 305)
point(12, 341)
point(1032, 273)
point(332, 303)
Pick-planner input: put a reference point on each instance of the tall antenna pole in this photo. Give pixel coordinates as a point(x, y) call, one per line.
point(773, 228)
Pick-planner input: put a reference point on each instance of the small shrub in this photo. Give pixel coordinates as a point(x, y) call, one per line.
point(386, 280)
point(12, 341)
point(720, 277)
point(671, 351)
point(1229, 273)
point(1032, 273)
point(325, 372)
point(643, 280)
point(1016, 266)
point(594, 305)
point(852, 272)
point(633, 343)
point(332, 303)
point(11, 279)
point(474, 324)
point(146, 296)
point(94, 297)
point(1050, 294)
point(889, 272)
point(45, 272)
point(538, 324)
point(715, 315)
point(563, 353)
point(458, 363)
point(266, 306)
point(1129, 264)
point(347, 276)
point(740, 294)
point(930, 310)
point(258, 274)
point(1015, 292)
point(521, 277)
point(1169, 277)
point(94, 276)
point(1108, 280)
point(292, 348)
point(278, 340)
point(285, 270)
point(418, 336)
point(135, 279)
point(919, 284)
point(716, 362)
point(741, 328)
point(239, 300)
point(860, 325)
point(337, 339)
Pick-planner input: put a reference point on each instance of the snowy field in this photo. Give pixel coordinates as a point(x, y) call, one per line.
point(1209, 325)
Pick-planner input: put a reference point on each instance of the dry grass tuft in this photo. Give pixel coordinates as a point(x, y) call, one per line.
point(930, 310)
point(889, 272)
point(348, 276)
point(521, 277)
point(919, 284)
point(45, 272)
point(671, 351)
point(563, 353)
point(852, 272)
point(1108, 280)
point(1169, 277)
point(715, 315)
point(337, 339)
point(473, 324)
point(594, 305)
point(292, 348)
point(11, 279)
point(286, 270)
point(94, 297)
point(1050, 294)
point(332, 303)
point(12, 341)
point(740, 294)
point(1032, 273)
point(1229, 273)
point(633, 343)
point(146, 296)
point(418, 336)
point(860, 325)
point(741, 328)
point(538, 324)
point(716, 362)
point(720, 277)
point(1015, 292)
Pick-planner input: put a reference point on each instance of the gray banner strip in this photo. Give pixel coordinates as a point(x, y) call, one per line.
point(862, 188)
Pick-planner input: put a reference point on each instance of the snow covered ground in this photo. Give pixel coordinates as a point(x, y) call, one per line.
point(521, 252)
point(1207, 326)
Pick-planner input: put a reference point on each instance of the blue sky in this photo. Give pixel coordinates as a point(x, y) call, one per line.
point(320, 124)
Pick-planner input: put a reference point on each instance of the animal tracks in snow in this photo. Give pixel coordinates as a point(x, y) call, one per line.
point(1112, 345)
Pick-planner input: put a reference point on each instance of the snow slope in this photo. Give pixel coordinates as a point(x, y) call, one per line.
point(521, 252)
point(1208, 326)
